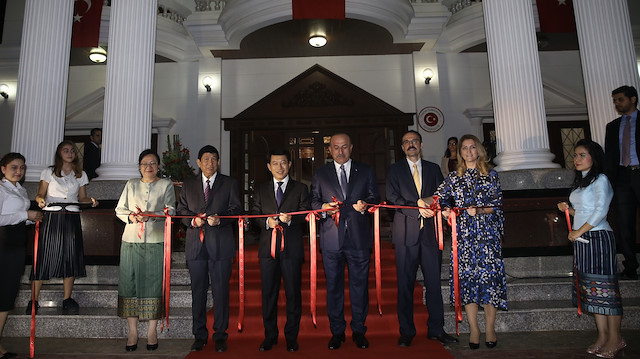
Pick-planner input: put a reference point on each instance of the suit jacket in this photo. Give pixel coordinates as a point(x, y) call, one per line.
point(91, 160)
point(294, 199)
point(402, 191)
point(612, 146)
point(362, 186)
point(223, 200)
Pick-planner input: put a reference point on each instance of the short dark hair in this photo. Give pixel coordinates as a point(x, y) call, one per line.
point(628, 91)
point(10, 157)
point(94, 130)
point(279, 152)
point(414, 131)
point(147, 152)
point(597, 167)
point(208, 149)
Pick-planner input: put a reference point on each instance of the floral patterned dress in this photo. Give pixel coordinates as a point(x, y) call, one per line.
point(480, 266)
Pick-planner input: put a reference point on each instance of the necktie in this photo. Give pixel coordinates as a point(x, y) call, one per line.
point(279, 193)
point(416, 181)
point(343, 181)
point(626, 141)
point(207, 191)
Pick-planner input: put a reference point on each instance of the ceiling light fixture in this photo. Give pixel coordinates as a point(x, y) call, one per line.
point(317, 41)
point(98, 55)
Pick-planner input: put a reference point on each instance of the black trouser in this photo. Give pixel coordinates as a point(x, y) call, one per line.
point(627, 199)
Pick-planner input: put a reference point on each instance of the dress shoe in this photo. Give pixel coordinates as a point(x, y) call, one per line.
point(491, 345)
point(292, 346)
point(28, 310)
point(131, 348)
point(336, 341)
point(268, 343)
point(360, 340)
point(474, 346)
point(198, 344)
point(70, 306)
point(444, 338)
point(594, 349)
point(8, 355)
point(152, 346)
point(221, 345)
point(612, 353)
point(404, 341)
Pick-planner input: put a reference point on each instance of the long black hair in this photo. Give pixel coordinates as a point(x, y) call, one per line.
point(597, 168)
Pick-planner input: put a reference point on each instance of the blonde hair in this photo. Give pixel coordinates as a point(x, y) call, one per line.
point(482, 163)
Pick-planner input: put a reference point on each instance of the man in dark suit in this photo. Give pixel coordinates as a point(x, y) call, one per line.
point(281, 195)
point(204, 197)
point(622, 147)
point(91, 159)
point(412, 182)
point(350, 241)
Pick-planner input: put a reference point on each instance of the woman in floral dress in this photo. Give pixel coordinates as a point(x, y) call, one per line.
point(475, 189)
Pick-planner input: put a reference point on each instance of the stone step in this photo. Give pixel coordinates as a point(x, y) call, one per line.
point(103, 322)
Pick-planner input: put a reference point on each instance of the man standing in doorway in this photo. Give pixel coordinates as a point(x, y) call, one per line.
point(345, 236)
point(412, 182)
point(622, 147)
point(91, 159)
point(283, 259)
point(210, 244)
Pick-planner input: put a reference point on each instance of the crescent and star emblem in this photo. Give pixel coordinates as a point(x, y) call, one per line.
point(78, 17)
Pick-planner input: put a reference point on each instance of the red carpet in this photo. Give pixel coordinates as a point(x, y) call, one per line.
point(382, 331)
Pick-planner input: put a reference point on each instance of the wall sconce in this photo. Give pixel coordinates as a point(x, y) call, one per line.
point(428, 75)
point(317, 41)
point(207, 82)
point(4, 91)
point(98, 55)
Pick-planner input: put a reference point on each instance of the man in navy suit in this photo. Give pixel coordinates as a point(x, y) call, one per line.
point(623, 170)
point(91, 159)
point(347, 242)
point(412, 182)
point(281, 195)
point(202, 198)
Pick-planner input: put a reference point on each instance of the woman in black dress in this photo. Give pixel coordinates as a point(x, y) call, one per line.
point(14, 214)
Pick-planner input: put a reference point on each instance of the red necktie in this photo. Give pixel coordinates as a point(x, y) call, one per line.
point(626, 141)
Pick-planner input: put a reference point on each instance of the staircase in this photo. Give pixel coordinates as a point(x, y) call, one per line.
point(539, 295)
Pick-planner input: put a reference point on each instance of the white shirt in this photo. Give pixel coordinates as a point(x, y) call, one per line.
point(14, 203)
point(62, 189)
point(284, 181)
point(211, 180)
point(347, 169)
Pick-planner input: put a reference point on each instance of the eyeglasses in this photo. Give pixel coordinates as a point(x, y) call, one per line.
point(150, 164)
point(414, 141)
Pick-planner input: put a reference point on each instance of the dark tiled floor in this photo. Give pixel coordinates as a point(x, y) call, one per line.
point(533, 345)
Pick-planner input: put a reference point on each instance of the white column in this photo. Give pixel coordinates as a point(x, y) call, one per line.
point(516, 86)
point(128, 94)
point(608, 57)
point(42, 83)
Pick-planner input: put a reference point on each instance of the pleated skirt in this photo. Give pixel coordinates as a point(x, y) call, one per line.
point(597, 281)
point(13, 243)
point(60, 247)
point(140, 280)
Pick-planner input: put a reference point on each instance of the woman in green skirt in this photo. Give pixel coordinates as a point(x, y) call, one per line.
point(141, 253)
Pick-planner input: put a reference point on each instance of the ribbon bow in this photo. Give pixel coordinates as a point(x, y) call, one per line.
point(274, 239)
point(140, 224)
point(336, 216)
point(312, 217)
point(202, 216)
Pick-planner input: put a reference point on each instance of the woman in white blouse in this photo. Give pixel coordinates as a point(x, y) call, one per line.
point(14, 213)
point(60, 247)
point(595, 248)
point(142, 249)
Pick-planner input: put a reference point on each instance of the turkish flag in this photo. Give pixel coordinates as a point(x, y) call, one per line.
point(556, 15)
point(318, 9)
point(86, 23)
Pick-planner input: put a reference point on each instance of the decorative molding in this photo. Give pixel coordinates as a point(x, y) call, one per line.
point(317, 95)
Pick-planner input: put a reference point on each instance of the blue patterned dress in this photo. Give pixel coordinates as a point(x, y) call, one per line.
point(480, 266)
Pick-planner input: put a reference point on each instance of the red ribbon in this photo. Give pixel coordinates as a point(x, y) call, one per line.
point(336, 216)
point(456, 280)
point(241, 272)
point(203, 216)
point(274, 239)
point(575, 266)
point(166, 272)
point(376, 254)
point(313, 259)
point(437, 221)
point(32, 335)
point(140, 224)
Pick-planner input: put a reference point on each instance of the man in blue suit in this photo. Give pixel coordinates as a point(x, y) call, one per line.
point(411, 183)
point(347, 242)
point(210, 257)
